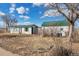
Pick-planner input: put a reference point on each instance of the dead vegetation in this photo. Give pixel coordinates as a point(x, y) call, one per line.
point(30, 45)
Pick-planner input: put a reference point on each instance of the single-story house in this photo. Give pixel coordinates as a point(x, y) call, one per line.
point(23, 29)
point(57, 28)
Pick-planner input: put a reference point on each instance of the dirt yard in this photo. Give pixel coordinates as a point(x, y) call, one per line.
point(30, 45)
point(4, 52)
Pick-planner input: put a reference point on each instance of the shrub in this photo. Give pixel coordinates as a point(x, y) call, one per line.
point(61, 51)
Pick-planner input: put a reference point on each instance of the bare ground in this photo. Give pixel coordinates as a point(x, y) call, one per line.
point(4, 52)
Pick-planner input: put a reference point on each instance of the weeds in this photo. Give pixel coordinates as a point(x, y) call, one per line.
point(36, 45)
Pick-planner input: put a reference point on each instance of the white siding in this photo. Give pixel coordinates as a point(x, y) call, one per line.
point(54, 30)
point(27, 32)
point(17, 30)
point(14, 30)
point(57, 28)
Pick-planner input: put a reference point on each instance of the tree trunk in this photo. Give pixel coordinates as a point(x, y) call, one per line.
point(70, 38)
point(71, 32)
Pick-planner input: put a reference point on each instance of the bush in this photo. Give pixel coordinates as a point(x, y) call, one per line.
point(46, 35)
point(61, 51)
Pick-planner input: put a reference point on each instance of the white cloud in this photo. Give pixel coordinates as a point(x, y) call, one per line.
point(46, 4)
point(21, 10)
point(12, 8)
point(37, 4)
point(50, 13)
point(28, 23)
point(27, 9)
point(13, 5)
point(1, 13)
point(25, 17)
point(25, 23)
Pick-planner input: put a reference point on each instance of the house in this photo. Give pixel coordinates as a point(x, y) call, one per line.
point(23, 29)
point(54, 28)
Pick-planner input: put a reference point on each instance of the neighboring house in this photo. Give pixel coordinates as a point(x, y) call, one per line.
point(23, 29)
point(56, 28)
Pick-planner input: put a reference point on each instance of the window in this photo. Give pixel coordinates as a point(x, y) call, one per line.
point(26, 28)
point(61, 29)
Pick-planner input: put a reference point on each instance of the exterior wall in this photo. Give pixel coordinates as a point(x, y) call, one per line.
point(27, 32)
point(14, 30)
point(57, 28)
point(17, 30)
point(53, 30)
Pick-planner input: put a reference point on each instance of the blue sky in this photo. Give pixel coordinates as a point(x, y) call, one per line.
point(28, 13)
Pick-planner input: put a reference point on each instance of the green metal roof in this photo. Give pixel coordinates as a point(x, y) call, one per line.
point(55, 23)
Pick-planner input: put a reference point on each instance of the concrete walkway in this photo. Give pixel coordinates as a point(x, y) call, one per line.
point(4, 52)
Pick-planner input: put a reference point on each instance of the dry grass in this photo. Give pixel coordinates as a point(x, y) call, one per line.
point(35, 45)
point(24, 45)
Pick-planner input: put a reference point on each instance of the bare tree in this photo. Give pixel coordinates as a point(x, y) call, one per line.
point(8, 21)
point(70, 11)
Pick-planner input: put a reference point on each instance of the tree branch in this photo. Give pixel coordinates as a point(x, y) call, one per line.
point(62, 13)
